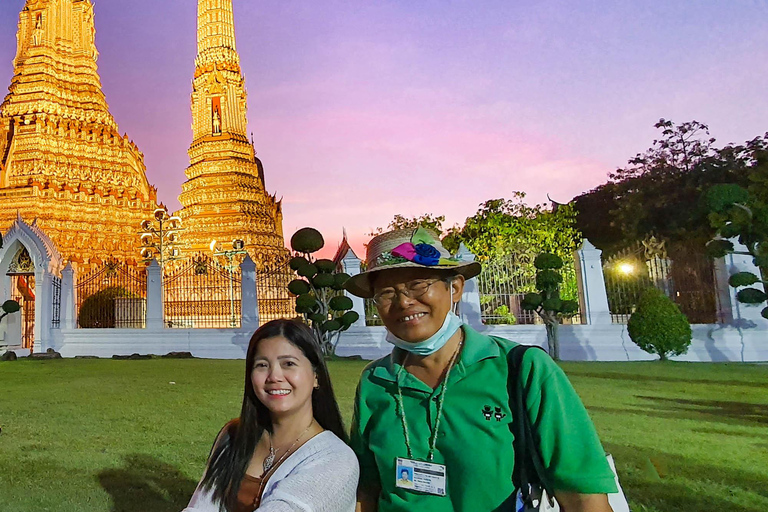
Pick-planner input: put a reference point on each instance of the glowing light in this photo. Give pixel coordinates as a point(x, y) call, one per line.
point(626, 268)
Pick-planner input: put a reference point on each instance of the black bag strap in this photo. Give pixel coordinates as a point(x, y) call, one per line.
point(527, 456)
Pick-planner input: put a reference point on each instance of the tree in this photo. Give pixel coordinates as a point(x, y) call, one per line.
point(318, 290)
point(658, 192)
point(658, 327)
point(427, 220)
point(503, 226)
point(546, 301)
point(735, 212)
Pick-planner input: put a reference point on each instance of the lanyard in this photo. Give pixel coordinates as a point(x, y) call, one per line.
point(440, 401)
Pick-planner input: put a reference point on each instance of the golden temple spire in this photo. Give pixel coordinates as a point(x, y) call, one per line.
point(215, 25)
point(224, 196)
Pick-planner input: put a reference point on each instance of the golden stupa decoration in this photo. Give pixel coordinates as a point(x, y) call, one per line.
point(224, 197)
point(63, 161)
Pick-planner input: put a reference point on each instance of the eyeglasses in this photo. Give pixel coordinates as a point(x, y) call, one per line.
point(412, 290)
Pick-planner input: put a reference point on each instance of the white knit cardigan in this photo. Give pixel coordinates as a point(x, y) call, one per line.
point(321, 476)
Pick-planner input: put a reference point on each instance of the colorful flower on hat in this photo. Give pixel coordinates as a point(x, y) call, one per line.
point(421, 249)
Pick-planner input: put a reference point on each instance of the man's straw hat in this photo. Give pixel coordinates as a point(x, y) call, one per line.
point(407, 248)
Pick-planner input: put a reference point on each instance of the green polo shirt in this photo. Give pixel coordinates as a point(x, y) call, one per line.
point(476, 434)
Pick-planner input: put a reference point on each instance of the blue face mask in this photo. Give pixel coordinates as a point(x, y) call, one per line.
point(432, 344)
point(451, 324)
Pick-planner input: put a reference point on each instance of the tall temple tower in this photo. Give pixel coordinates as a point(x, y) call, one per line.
point(224, 197)
point(63, 162)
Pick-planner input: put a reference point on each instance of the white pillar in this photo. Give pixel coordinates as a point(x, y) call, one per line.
point(155, 315)
point(731, 310)
point(469, 306)
point(249, 303)
point(68, 298)
point(43, 306)
point(593, 297)
point(351, 265)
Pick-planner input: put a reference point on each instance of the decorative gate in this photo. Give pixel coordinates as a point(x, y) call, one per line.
point(22, 273)
point(56, 303)
point(504, 282)
point(272, 280)
point(112, 296)
point(688, 279)
point(201, 293)
point(23, 292)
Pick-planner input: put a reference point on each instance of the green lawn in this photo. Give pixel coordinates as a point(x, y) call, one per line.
point(103, 435)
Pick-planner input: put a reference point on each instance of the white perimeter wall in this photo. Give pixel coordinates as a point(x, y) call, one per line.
point(578, 342)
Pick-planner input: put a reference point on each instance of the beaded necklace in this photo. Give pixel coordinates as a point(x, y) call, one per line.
point(441, 400)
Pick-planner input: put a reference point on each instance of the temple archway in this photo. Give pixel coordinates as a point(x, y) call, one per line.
point(29, 262)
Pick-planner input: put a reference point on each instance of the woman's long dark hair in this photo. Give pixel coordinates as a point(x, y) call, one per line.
point(234, 447)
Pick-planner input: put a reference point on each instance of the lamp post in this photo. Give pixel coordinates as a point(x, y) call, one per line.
point(238, 247)
point(161, 237)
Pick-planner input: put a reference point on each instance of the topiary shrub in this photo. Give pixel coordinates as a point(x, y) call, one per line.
point(658, 327)
point(319, 297)
point(546, 302)
point(737, 213)
point(8, 307)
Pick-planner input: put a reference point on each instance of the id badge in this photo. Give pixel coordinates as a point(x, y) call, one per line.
point(420, 476)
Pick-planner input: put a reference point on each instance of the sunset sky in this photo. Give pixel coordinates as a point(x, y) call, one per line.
point(364, 109)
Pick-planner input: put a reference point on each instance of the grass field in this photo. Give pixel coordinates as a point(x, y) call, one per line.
point(132, 436)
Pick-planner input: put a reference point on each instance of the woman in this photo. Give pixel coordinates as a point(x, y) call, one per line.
point(286, 451)
point(439, 404)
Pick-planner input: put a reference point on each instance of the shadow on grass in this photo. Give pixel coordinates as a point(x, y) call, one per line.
point(740, 411)
point(713, 411)
point(145, 484)
point(686, 484)
point(732, 433)
point(592, 373)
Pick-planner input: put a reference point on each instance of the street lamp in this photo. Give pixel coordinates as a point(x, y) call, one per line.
point(160, 237)
point(238, 247)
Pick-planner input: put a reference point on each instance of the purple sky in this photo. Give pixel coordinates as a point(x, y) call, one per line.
point(361, 110)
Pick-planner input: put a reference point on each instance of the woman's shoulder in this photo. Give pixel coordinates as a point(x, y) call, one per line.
point(324, 451)
point(329, 444)
point(225, 435)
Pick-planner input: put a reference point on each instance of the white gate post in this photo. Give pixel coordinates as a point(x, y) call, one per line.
point(351, 265)
point(68, 298)
point(154, 319)
point(469, 306)
point(593, 297)
point(43, 307)
point(249, 303)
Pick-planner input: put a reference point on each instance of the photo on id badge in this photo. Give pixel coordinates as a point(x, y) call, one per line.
point(406, 476)
point(420, 476)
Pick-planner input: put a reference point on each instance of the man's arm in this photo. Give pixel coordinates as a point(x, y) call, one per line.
point(575, 502)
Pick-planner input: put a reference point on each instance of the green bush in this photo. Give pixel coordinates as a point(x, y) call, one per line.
point(658, 326)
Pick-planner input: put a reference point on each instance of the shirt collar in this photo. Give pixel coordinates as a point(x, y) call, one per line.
point(477, 347)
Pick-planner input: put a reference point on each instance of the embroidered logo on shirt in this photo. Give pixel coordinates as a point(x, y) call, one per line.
point(493, 412)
